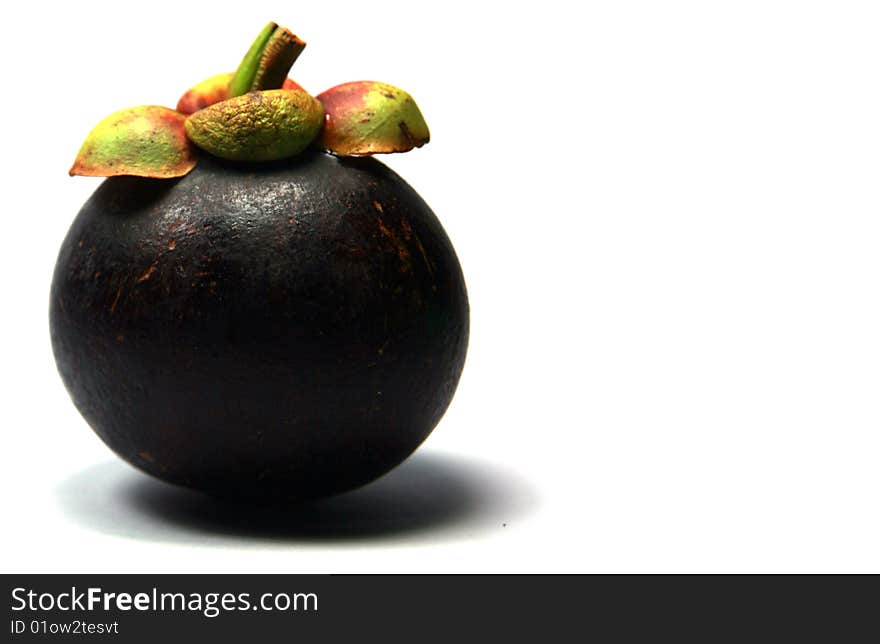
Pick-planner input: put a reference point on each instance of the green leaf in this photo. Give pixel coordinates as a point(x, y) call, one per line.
point(368, 117)
point(209, 91)
point(259, 126)
point(146, 141)
point(213, 90)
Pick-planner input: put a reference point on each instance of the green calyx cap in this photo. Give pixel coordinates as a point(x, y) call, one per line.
point(258, 126)
point(368, 117)
point(256, 113)
point(147, 141)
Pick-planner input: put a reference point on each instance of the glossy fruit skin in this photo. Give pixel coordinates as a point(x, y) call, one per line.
point(293, 329)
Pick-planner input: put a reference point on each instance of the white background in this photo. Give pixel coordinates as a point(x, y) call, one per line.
point(668, 215)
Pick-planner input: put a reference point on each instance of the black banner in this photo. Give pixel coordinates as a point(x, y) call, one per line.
point(428, 608)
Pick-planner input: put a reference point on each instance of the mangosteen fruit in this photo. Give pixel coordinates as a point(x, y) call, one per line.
point(259, 310)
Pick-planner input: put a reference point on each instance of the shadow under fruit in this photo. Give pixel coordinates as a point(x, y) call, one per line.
point(294, 328)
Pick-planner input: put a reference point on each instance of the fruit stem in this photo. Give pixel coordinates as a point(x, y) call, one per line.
point(267, 62)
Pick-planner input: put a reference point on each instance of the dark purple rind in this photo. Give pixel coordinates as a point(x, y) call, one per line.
point(293, 329)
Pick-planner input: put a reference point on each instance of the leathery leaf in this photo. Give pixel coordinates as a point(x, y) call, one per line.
point(213, 90)
point(369, 117)
point(145, 141)
point(258, 126)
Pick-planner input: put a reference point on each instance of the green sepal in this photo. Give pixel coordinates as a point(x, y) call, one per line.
point(209, 91)
point(258, 126)
point(368, 117)
point(213, 90)
point(145, 141)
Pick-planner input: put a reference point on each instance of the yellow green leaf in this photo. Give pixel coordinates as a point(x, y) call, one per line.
point(368, 117)
point(258, 126)
point(209, 91)
point(145, 141)
point(213, 90)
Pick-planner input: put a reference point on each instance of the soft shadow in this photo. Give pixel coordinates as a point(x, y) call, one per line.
point(123, 196)
point(427, 495)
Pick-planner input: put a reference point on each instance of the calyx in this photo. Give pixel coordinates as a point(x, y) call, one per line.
point(253, 114)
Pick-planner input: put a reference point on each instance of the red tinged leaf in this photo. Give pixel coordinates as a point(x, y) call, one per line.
point(368, 117)
point(209, 91)
point(214, 90)
point(289, 83)
point(146, 141)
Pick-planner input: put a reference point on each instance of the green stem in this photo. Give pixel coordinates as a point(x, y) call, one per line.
point(247, 69)
point(267, 62)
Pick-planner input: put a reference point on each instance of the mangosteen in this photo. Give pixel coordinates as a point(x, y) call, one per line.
point(261, 310)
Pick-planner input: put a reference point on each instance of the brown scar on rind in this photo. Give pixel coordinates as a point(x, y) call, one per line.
point(407, 228)
point(424, 255)
point(148, 273)
point(400, 245)
point(116, 299)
